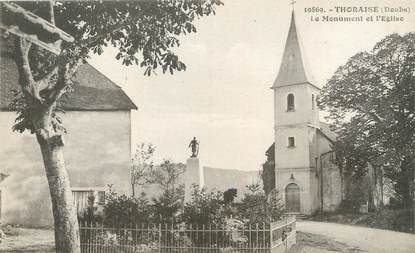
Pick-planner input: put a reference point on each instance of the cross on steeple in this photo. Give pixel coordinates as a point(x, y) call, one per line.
point(293, 3)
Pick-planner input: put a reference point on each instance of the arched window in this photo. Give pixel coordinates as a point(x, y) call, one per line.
point(312, 101)
point(290, 102)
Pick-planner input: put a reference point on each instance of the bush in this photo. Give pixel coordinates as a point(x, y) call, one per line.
point(204, 208)
point(229, 196)
point(2, 236)
point(124, 210)
point(350, 206)
point(386, 218)
point(166, 207)
point(10, 230)
point(90, 214)
point(259, 208)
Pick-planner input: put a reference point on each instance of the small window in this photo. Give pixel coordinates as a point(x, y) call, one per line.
point(291, 142)
point(312, 102)
point(290, 102)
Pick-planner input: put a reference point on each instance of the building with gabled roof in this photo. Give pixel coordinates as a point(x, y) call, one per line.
point(97, 145)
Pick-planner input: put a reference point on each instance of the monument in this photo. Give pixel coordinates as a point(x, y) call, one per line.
point(194, 173)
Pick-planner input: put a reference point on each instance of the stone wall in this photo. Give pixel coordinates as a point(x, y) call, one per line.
point(332, 183)
point(97, 153)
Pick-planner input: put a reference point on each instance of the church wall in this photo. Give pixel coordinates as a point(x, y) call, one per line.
point(332, 184)
point(292, 157)
point(312, 112)
point(301, 177)
point(97, 153)
point(303, 112)
point(301, 159)
point(324, 145)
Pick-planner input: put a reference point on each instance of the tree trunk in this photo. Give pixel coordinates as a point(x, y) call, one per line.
point(64, 212)
point(133, 189)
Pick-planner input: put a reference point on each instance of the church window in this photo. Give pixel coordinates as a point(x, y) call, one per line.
point(312, 102)
point(290, 102)
point(291, 142)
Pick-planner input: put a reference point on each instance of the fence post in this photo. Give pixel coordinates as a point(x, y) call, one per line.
point(159, 237)
point(270, 237)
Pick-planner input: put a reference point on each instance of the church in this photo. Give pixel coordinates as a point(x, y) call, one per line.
point(305, 173)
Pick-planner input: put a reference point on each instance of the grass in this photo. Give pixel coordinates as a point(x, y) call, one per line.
point(400, 220)
point(311, 243)
point(28, 240)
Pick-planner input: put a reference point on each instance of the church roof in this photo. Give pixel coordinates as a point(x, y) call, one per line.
point(294, 68)
point(93, 91)
point(327, 132)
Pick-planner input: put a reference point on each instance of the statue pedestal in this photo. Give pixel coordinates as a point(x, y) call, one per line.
point(193, 175)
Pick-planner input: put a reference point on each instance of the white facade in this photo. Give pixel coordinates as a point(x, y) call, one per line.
point(97, 153)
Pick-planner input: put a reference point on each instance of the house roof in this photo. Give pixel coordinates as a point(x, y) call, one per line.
point(294, 68)
point(93, 91)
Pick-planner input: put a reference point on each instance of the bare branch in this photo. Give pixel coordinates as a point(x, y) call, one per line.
point(26, 80)
point(51, 13)
point(65, 72)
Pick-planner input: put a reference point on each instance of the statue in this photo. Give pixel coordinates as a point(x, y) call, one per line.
point(194, 145)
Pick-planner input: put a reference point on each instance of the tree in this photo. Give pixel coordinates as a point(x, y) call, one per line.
point(143, 32)
point(205, 207)
point(268, 170)
point(141, 165)
point(168, 203)
point(229, 196)
point(260, 208)
point(371, 101)
point(120, 210)
point(166, 175)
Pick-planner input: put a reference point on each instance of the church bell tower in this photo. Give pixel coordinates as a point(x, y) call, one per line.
point(296, 122)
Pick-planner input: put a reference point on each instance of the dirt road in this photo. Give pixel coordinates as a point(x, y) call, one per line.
point(365, 239)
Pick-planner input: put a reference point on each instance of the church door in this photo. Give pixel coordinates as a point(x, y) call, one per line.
point(292, 198)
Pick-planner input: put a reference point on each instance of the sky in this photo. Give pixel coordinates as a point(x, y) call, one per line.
point(224, 97)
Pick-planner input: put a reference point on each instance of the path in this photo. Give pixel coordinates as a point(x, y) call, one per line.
point(366, 239)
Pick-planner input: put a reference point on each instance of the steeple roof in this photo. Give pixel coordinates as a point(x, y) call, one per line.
point(294, 68)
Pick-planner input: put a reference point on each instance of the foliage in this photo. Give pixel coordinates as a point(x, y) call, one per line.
point(268, 177)
point(371, 101)
point(204, 207)
point(141, 165)
point(120, 210)
point(10, 230)
point(166, 175)
point(260, 208)
point(229, 195)
point(268, 170)
point(144, 33)
point(167, 206)
point(90, 214)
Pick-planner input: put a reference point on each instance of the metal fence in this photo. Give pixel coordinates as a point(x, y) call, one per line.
point(169, 238)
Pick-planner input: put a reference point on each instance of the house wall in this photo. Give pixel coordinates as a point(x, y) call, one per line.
point(97, 152)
